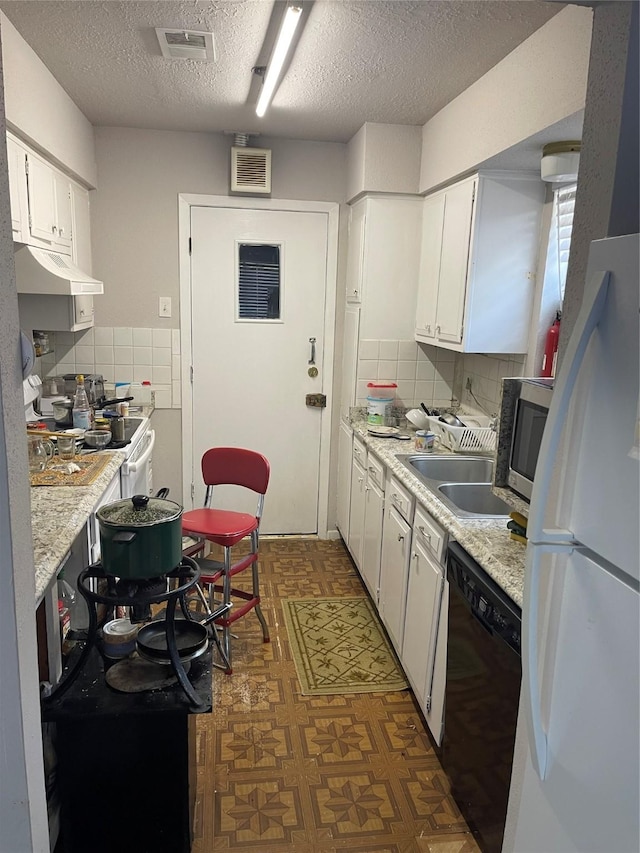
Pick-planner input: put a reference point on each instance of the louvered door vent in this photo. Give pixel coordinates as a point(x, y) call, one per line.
point(250, 170)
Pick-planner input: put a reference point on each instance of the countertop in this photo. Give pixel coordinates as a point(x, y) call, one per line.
point(486, 541)
point(58, 514)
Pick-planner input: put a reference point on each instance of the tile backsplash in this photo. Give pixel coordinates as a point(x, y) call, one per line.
point(424, 374)
point(121, 354)
point(485, 374)
point(435, 376)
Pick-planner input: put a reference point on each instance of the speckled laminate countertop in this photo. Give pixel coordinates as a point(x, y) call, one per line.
point(486, 541)
point(58, 514)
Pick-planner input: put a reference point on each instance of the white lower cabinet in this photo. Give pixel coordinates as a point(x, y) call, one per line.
point(356, 513)
point(394, 570)
point(345, 442)
point(422, 614)
point(372, 544)
point(424, 644)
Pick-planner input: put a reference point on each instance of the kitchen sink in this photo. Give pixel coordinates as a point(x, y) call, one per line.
point(452, 469)
point(475, 499)
point(462, 483)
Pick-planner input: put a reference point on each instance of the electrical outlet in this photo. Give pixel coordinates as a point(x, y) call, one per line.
point(164, 306)
point(468, 385)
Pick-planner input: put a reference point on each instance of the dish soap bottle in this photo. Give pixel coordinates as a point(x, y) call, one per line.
point(81, 407)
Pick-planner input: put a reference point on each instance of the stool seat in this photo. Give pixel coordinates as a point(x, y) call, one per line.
point(224, 527)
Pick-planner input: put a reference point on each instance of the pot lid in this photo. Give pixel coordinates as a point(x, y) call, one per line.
point(139, 511)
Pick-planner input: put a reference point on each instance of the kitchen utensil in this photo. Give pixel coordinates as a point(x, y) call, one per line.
point(63, 411)
point(40, 452)
point(141, 537)
point(417, 418)
point(97, 438)
point(452, 420)
point(66, 446)
point(424, 409)
point(48, 433)
point(192, 640)
point(117, 428)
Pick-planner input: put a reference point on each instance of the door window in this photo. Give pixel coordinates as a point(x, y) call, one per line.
point(259, 282)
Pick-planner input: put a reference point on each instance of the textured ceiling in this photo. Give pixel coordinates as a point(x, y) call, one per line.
point(394, 62)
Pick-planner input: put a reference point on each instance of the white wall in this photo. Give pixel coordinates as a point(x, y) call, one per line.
point(47, 118)
point(135, 229)
point(384, 158)
point(539, 83)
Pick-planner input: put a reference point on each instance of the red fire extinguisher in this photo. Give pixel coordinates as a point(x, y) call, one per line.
point(551, 347)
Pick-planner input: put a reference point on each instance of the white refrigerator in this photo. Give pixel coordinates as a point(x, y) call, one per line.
point(575, 782)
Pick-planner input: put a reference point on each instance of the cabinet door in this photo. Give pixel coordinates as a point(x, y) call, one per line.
point(349, 360)
point(63, 226)
point(356, 512)
point(345, 440)
point(80, 229)
point(16, 157)
point(454, 259)
point(394, 569)
point(434, 713)
point(424, 597)
point(42, 199)
point(355, 252)
point(430, 251)
point(372, 544)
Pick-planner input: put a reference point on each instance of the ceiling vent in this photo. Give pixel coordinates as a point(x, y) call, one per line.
point(250, 167)
point(186, 44)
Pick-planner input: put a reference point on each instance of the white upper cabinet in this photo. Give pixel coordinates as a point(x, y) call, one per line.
point(355, 252)
point(49, 193)
point(17, 157)
point(478, 257)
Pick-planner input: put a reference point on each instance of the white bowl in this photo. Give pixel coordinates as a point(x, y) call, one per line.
point(418, 418)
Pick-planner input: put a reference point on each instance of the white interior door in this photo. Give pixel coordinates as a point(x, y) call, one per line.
point(258, 282)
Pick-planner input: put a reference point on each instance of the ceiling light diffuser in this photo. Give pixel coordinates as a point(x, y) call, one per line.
point(283, 43)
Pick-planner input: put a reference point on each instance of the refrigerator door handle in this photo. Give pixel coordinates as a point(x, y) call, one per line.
point(530, 663)
point(586, 323)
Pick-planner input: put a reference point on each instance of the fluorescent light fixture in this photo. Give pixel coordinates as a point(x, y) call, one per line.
point(283, 43)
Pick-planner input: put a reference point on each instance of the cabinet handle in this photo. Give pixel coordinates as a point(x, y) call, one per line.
point(53, 229)
point(61, 231)
point(429, 328)
point(437, 330)
point(426, 535)
point(400, 537)
point(360, 479)
point(355, 291)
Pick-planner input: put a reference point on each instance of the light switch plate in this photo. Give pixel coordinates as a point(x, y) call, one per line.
point(164, 306)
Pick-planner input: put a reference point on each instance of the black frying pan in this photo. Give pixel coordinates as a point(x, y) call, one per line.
point(191, 640)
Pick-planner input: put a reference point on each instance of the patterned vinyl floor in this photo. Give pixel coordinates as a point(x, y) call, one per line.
point(278, 772)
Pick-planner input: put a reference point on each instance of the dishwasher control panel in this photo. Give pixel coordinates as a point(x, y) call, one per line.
point(484, 598)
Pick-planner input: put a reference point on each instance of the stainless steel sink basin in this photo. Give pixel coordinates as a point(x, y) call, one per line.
point(462, 483)
point(475, 499)
point(452, 469)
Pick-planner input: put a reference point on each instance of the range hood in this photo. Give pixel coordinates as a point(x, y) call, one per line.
point(45, 271)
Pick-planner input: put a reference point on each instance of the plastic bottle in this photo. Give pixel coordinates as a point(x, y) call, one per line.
point(81, 407)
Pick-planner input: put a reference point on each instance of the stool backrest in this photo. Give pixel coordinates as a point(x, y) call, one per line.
point(236, 466)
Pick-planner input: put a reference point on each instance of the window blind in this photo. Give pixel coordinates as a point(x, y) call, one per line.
point(259, 282)
point(564, 202)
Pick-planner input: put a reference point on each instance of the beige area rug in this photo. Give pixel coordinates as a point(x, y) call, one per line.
point(339, 646)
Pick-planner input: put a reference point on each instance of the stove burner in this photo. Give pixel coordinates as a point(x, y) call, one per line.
point(134, 587)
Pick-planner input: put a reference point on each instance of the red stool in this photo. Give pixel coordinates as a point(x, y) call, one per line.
point(239, 467)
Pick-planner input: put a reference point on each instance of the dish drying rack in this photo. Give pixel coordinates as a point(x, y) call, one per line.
point(475, 437)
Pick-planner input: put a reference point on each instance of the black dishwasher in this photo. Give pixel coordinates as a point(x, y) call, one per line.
point(482, 695)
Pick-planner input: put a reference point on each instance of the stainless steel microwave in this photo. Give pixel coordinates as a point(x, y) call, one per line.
point(529, 419)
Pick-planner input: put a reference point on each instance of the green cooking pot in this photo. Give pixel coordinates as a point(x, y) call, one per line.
point(140, 537)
